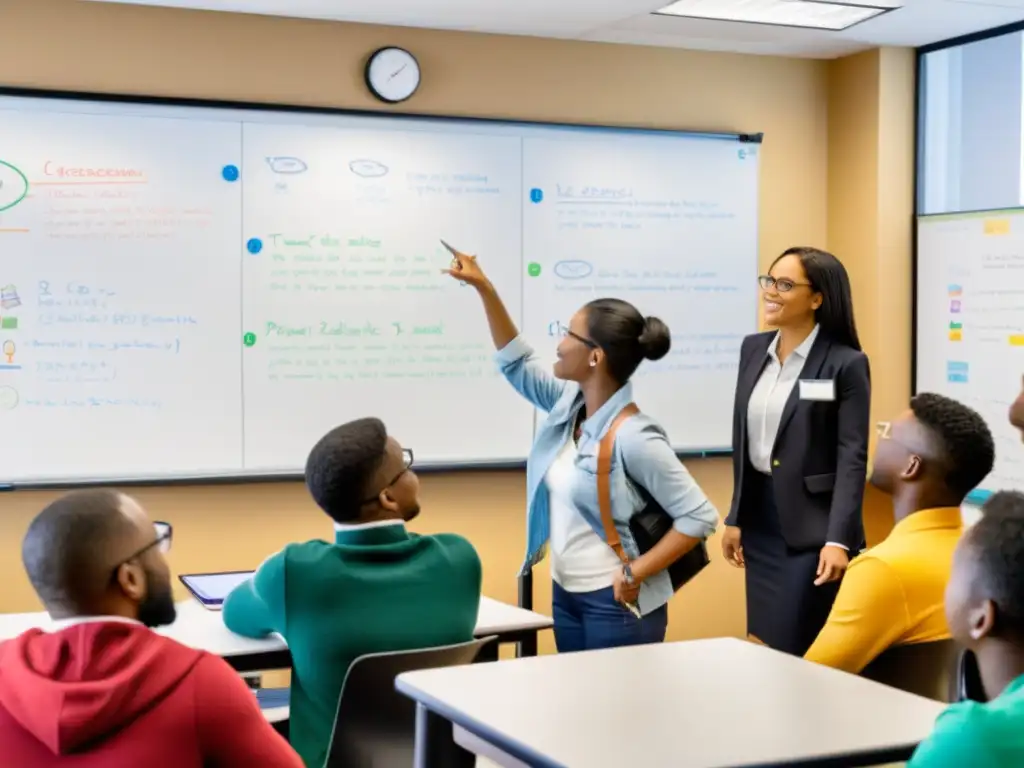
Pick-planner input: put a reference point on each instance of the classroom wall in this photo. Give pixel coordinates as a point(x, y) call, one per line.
point(63, 44)
point(870, 222)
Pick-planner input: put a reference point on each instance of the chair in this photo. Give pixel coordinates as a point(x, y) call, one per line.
point(375, 726)
point(968, 679)
point(927, 669)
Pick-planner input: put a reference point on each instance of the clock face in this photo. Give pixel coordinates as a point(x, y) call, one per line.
point(392, 74)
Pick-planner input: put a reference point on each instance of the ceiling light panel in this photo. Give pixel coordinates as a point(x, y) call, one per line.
point(812, 14)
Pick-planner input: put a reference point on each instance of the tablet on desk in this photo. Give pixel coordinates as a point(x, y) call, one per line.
point(211, 589)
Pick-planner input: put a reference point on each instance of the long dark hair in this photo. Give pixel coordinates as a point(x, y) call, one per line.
point(828, 276)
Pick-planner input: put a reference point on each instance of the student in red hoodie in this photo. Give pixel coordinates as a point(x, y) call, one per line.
point(101, 688)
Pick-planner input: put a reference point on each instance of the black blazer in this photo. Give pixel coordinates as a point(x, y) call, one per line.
point(819, 461)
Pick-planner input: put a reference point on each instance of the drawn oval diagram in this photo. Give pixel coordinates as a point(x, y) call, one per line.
point(13, 186)
point(573, 269)
point(368, 169)
point(287, 165)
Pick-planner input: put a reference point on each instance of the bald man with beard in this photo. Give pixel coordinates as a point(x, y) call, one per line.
point(101, 688)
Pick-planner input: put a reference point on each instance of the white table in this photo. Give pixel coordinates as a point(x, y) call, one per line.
point(200, 628)
point(721, 703)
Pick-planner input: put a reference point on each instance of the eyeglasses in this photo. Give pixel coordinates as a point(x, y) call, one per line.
point(407, 459)
point(564, 331)
point(164, 537)
point(782, 284)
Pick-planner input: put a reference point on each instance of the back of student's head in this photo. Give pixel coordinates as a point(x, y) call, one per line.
point(963, 439)
point(358, 473)
point(626, 336)
point(94, 552)
point(995, 547)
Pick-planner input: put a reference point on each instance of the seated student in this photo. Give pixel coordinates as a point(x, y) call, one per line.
point(377, 588)
point(931, 458)
point(985, 609)
point(101, 688)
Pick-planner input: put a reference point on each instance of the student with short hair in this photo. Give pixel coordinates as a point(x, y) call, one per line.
point(101, 688)
point(985, 610)
point(375, 588)
point(929, 459)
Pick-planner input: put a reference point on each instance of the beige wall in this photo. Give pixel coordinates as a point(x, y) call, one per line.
point(60, 44)
point(870, 207)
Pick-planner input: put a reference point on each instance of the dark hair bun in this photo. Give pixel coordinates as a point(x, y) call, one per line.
point(655, 340)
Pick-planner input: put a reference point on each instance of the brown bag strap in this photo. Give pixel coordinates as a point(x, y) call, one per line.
point(604, 484)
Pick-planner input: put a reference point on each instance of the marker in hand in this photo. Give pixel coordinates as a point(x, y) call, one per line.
point(456, 264)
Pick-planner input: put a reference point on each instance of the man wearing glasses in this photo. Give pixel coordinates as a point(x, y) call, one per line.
point(101, 688)
point(376, 588)
point(928, 460)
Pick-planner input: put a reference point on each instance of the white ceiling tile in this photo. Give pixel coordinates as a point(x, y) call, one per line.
point(918, 22)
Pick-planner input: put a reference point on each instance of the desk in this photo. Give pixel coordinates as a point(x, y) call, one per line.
point(720, 703)
point(199, 628)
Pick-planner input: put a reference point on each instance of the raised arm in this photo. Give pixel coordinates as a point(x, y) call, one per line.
point(518, 364)
point(465, 269)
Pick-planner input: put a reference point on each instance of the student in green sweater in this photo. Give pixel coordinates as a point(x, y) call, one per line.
point(376, 588)
point(985, 610)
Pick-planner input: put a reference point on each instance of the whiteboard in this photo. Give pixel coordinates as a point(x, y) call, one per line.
point(197, 292)
point(970, 324)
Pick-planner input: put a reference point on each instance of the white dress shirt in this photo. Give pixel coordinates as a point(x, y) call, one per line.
point(768, 400)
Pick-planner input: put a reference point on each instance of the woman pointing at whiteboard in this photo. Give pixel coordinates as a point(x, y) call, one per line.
point(599, 600)
point(800, 444)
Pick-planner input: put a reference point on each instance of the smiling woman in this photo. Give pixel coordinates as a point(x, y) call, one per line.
point(607, 591)
point(800, 439)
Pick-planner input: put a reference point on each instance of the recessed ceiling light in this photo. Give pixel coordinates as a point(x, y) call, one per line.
point(814, 14)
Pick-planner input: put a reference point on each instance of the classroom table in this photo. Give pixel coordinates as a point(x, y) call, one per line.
point(200, 628)
point(721, 703)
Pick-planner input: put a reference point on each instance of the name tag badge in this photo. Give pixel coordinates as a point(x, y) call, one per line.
point(819, 390)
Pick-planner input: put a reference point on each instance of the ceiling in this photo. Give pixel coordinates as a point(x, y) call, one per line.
point(918, 22)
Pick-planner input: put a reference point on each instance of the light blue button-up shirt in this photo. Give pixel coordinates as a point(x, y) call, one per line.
point(642, 450)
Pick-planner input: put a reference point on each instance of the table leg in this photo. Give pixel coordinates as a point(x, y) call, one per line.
point(421, 757)
point(527, 646)
point(435, 745)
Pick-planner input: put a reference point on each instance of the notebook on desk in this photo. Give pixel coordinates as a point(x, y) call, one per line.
point(211, 589)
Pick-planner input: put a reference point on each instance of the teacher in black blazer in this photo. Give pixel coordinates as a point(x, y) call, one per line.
point(800, 444)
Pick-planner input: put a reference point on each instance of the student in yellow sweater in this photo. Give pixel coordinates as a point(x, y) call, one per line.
point(929, 459)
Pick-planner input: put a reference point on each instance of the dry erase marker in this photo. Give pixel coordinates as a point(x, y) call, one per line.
point(456, 264)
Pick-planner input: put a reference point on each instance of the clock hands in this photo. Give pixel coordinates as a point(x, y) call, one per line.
point(397, 72)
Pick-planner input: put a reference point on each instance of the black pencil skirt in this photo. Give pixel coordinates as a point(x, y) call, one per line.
point(784, 609)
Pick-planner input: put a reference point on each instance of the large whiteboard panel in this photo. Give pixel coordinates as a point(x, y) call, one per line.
point(667, 225)
point(970, 323)
point(205, 291)
point(120, 307)
point(347, 299)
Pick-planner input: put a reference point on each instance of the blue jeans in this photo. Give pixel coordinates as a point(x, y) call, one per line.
point(586, 621)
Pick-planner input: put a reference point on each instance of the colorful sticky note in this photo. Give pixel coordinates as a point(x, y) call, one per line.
point(997, 226)
point(954, 306)
point(8, 323)
point(956, 336)
point(1017, 340)
point(955, 326)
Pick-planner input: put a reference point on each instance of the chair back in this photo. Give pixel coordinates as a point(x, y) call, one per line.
point(968, 679)
point(927, 669)
point(375, 725)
